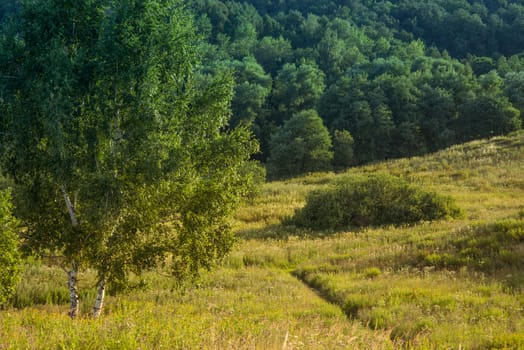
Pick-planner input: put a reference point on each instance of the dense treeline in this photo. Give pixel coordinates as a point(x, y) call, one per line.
point(388, 79)
point(463, 27)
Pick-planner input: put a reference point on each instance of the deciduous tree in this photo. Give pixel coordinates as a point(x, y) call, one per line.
point(301, 145)
point(342, 149)
point(297, 88)
point(119, 157)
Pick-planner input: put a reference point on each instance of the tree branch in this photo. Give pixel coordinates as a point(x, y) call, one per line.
point(70, 207)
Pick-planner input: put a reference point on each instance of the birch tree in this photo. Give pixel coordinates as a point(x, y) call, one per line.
point(119, 156)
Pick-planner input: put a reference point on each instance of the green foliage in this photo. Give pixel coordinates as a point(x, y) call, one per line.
point(254, 175)
point(514, 88)
point(380, 70)
point(302, 145)
point(488, 115)
point(379, 199)
point(342, 149)
point(272, 53)
point(120, 156)
point(10, 257)
point(252, 88)
point(4, 183)
point(6, 7)
point(297, 88)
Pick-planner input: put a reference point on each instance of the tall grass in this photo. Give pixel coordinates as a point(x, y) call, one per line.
point(446, 284)
point(246, 308)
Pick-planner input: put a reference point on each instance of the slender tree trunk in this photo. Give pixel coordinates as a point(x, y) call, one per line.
point(73, 292)
point(99, 302)
point(70, 207)
point(72, 275)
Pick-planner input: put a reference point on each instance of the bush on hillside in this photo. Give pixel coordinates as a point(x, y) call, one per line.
point(381, 199)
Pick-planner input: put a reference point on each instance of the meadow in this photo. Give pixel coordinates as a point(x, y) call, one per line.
point(453, 284)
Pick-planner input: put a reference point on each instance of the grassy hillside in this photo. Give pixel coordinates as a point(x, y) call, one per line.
point(448, 284)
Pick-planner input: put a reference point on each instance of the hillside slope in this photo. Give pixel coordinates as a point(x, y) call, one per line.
point(433, 285)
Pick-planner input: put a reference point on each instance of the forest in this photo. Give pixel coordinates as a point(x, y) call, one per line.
point(264, 174)
point(388, 79)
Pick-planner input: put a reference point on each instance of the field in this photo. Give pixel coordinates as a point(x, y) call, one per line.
point(456, 284)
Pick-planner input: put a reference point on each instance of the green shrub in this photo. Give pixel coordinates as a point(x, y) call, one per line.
point(380, 199)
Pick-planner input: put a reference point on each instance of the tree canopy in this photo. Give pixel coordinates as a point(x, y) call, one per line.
point(121, 158)
point(402, 77)
point(301, 145)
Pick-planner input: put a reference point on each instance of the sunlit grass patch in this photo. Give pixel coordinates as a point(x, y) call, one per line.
point(444, 308)
point(247, 308)
point(430, 285)
point(492, 247)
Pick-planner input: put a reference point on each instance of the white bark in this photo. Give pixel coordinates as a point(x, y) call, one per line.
point(72, 275)
point(73, 292)
point(99, 303)
point(70, 207)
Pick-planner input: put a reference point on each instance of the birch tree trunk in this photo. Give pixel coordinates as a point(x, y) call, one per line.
point(73, 292)
point(99, 302)
point(72, 275)
point(70, 207)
